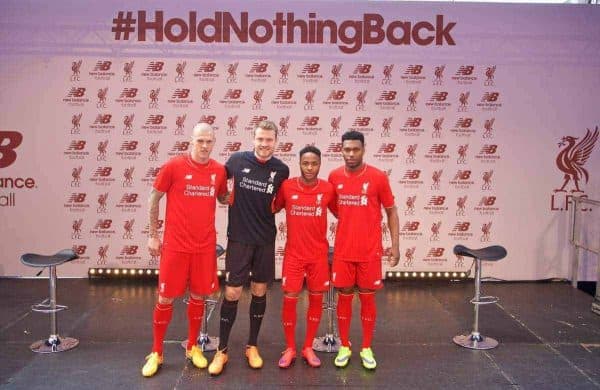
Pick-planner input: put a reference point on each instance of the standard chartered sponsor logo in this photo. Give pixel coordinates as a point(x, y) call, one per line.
point(352, 200)
point(256, 185)
point(305, 211)
point(198, 190)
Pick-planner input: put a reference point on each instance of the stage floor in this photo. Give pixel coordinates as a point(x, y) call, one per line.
point(549, 339)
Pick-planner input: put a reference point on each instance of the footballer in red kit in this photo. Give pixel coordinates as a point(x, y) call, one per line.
point(361, 191)
point(192, 182)
point(306, 200)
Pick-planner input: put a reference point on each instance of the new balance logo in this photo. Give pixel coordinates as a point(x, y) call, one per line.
point(435, 252)
point(285, 94)
point(311, 68)
point(103, 172)
point(77, 197)
point(182, 93)
point(180, 146)
point(129, 198)
point(362, 69)
point(102, 66)
point(207, 67)
point(76, 92)
point(155, 66)
point(412, 174)
point(155, 120)
point(411, 226)
point(413, 122)
point(129, 146)
point(103, 224)
point(232, 147)
point(461, 226)
point(77, 145)
point(334, 147)
point(129, 250)
point(362, 121)
point(414, 70)
point(310, 121)
point(437, 200)
point(129, 93)
point(465, 70)
point(259, 67)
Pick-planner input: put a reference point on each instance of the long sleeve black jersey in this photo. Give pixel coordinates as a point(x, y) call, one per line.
point(251, 220)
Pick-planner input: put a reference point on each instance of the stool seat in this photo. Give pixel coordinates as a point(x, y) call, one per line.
point(489, 253)
point(35, 260)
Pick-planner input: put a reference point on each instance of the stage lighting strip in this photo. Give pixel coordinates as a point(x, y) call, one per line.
point(127, 272)
point(147, 272)
point(426, 275)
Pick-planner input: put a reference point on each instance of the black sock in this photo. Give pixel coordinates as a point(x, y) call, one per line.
point(228, 314)
point(257, 312)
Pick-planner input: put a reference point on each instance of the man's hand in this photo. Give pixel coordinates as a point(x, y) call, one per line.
point(154, 246)
point(394, 257)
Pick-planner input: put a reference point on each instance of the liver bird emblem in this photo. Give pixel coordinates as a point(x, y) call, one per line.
point(573, 156)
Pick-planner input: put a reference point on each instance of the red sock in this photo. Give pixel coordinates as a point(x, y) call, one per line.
point(288, 319)
point(161, 318)
point(313, 317)
point(368, 314)
point(344, 313)
point(195, 312)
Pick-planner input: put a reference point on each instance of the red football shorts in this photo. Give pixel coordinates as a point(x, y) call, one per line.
point(294, 271)
point(364, 274)
point(178, 270)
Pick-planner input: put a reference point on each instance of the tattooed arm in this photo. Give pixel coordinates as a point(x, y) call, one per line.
point(154, 243)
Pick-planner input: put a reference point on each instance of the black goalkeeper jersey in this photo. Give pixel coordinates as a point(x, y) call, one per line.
point(251, 220)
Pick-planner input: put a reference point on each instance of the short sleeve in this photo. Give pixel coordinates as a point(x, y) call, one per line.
point(385, 192)
point(163, 179)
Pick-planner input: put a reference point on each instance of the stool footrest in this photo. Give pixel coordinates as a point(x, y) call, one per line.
point(45, 307)
point(485, 300)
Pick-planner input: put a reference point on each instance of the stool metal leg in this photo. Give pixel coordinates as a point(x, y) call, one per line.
point(475, 340)
point(330, 342)
point(54, 343)
point(207, 343)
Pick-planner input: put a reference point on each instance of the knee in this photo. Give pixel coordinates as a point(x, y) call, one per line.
point(291, 294)
point(258, 289)
point(233, 293)
point(164, 300)
point(346, 290)
point(198, 297)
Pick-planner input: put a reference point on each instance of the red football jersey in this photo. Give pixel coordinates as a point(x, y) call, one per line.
point(359, 197)
point(306, 218)
point(192, 190)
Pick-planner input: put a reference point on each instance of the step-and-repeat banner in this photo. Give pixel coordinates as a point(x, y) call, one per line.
point(484, 117)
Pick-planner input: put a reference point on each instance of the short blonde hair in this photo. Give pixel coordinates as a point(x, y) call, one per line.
point(267, 125)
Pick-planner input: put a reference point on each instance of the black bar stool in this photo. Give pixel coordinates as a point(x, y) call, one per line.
point(476, 340)
point(207, 343)
point(330, 342)
point(54, 343)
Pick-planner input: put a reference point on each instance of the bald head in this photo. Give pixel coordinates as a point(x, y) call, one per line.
point(202, 128)
point(203, 141)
